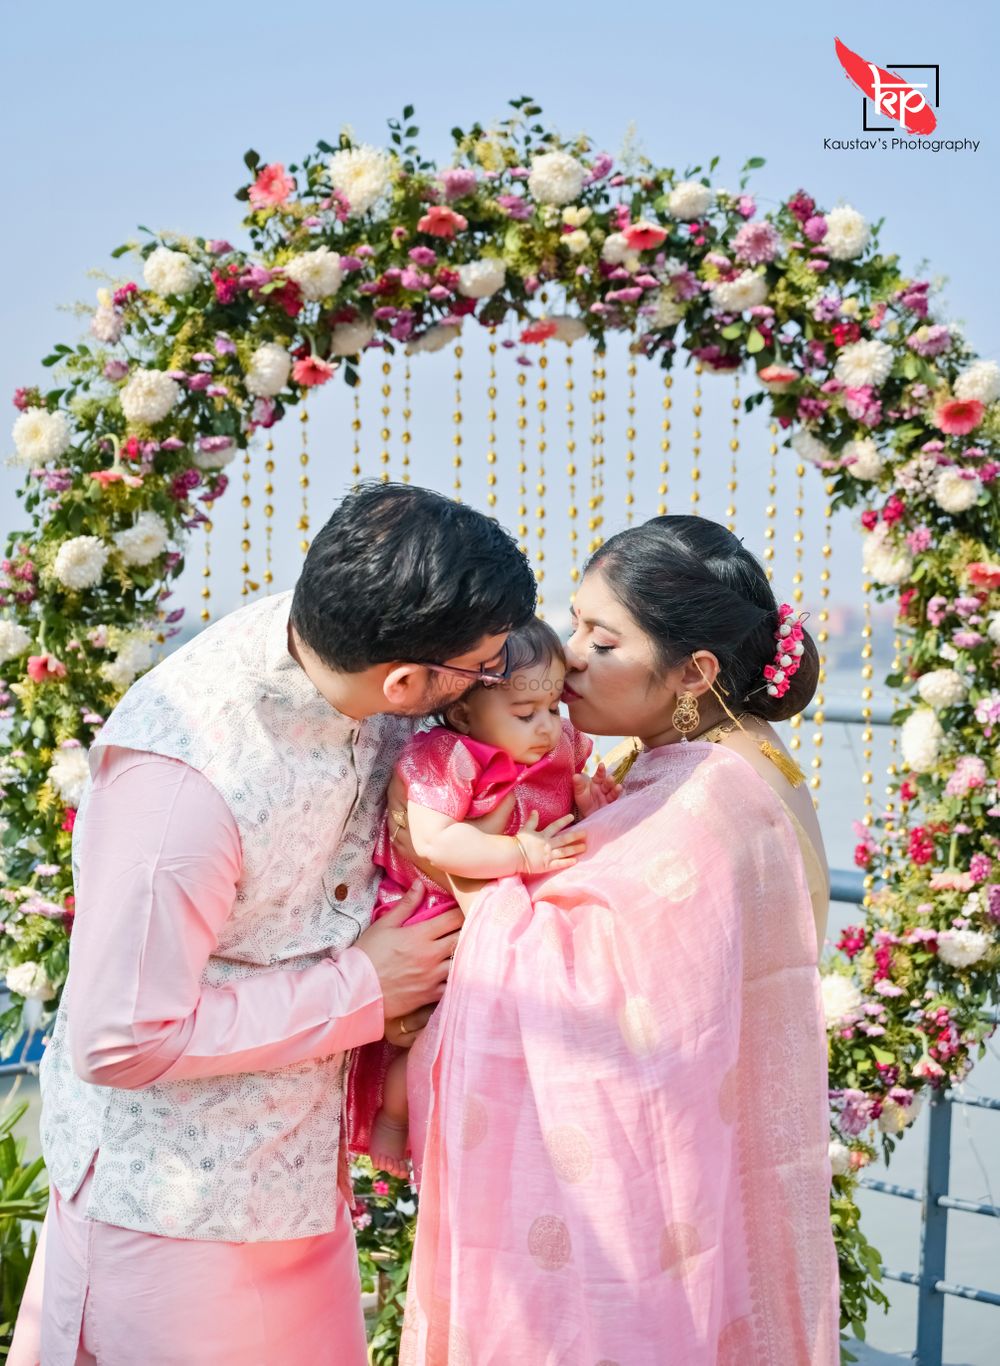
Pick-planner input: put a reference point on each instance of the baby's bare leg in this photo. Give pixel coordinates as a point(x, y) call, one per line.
point(390, 1128)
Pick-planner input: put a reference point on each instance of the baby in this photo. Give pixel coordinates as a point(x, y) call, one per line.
point(498, 739)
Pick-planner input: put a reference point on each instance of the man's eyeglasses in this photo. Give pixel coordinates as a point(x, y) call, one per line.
point(484, 674)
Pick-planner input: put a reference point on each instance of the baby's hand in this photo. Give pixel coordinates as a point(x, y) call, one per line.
point(551, 848)
point(590, 794)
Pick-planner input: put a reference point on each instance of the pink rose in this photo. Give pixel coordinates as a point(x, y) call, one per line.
point(271, 187)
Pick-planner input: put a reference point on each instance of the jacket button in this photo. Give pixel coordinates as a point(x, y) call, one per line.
point(340, 891)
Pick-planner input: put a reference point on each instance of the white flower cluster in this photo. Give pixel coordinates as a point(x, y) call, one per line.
point(41, 436)
point(270, 366)
point(748, 290)
point(556, 178)
point(349, 339)
point(841, 999)
point(480, 279)
point(918, 475)
point(920, 740)
point(134, 655)
point(669, 311)
point(840, 1157)
point(883, 560)
point(14, 640)
point(617, 252)
point(30, 980)
point(847, 233)
point(689, 199)
point(952, 493)
point(317, 273)
point(362, 175)
point(106, 325)
point(68, 773)
point(895, 1117)
point(568, 328)
point(810, 448)
point(434, 339)
point(862, 459)
point(993, 629)
point(864, 362)
point(214, 459)
point(962, 948)
point(169, 272)
point(941, 688)
point(149, 396)
point(980, 380)
point(144, 541)
point(80, 562)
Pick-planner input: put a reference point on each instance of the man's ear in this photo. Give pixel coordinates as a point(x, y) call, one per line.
point(457, 716)
point(404, 685)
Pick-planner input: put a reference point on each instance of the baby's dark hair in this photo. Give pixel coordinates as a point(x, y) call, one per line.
point(533, 643)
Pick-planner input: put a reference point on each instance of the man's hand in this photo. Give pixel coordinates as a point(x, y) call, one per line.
point(405, 1031)
point(590, 794)
point(412, 961)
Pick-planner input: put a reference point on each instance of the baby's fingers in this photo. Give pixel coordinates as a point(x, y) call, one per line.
point(552, 830)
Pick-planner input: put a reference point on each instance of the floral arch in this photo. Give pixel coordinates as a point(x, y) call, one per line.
point(359, 248)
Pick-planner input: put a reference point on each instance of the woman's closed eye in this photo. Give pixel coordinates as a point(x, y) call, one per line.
point(600, 649)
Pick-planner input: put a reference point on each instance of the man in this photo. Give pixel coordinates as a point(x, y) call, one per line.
point(221, 963)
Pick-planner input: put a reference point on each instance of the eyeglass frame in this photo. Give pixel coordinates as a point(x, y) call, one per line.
point(480, 675)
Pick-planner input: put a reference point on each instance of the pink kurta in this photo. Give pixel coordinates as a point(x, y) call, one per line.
point(162, 860)
point(625, 1156)
point(464, 779)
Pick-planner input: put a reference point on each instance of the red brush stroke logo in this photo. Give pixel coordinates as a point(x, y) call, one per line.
point(893, 97)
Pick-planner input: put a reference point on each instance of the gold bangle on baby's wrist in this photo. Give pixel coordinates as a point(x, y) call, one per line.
point(524, 853)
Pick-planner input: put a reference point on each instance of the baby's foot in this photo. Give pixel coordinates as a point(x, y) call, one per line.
point(388, 1145)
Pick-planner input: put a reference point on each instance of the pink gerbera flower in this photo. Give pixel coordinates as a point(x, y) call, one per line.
point(272, 186)
point(539, 331)
point(440, 221)
point(777, 378)
point(959, 416)
point(45, 668)
point(642, 236)
point(311, 371)
point(756, 243)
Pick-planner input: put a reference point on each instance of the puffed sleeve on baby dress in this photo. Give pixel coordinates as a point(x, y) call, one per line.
point(440, 772)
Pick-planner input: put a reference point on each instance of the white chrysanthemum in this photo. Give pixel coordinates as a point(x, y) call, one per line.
point(568, 328)
point(865, 459)
point(362, 174)
point(864, 362)
point(144, 541)
point(170, 272)
point(669, 311)
point(885, 561)
point(840, 1158)
point(962, 948)
point(576, 242)
point(40, 436)
point(689, 199)
point(107, 325)
point(434, 339)
point(80, 562)
point(895, 1117)
point(134, 656)
point(31, 981)
point(317, 273)
point(214, 459)
point(980, 380)
point(748, 290)
point(270, 366)
point(941, 688)
point(480, 279)
point(68, 773)
point(556, 178)
point(149, 396)
point(14, 640)
point(921, 739)
point(810, 447)
point(952, 493)
point(349, 339)
point(847, 233)
point(993, 629)
point(841, 999)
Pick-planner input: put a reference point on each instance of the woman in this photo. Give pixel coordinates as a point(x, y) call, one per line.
point(625, 1085)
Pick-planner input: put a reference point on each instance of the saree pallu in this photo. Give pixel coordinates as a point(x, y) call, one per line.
point(621, 1102)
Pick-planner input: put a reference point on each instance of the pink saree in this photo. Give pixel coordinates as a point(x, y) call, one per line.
point(621, 1101)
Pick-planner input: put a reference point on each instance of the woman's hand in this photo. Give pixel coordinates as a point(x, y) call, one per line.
point(590, 794)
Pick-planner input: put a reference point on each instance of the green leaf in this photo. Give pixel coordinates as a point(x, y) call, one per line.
point(457, 133)
point(120, 251)
point(324, 147)
point(733, 331)
point(882, 1056)
point(408, 111)
point(755, 342)
point(755, 163)
point(251, 160)
point(910, 367)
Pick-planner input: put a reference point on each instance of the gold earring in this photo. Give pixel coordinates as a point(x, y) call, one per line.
point(686, 718)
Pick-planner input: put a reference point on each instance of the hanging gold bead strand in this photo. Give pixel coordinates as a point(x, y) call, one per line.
point(630, 442)
point(384, 431)
point(596, 500)
point(543, 407)
point(356, 429)
point(892, 769)
point(268, 512)
point(573, 510)
point(491, 424)
point(822, 641)
point(771, 507)
point(666, 404)
point(734, 447)
point(304, 481)
point(522, 463)
point(406, 435)
point(248, 584)
point(206, 573)
point(457, 420)
point(867, 734)
point(696, 443)
point(798, 537)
